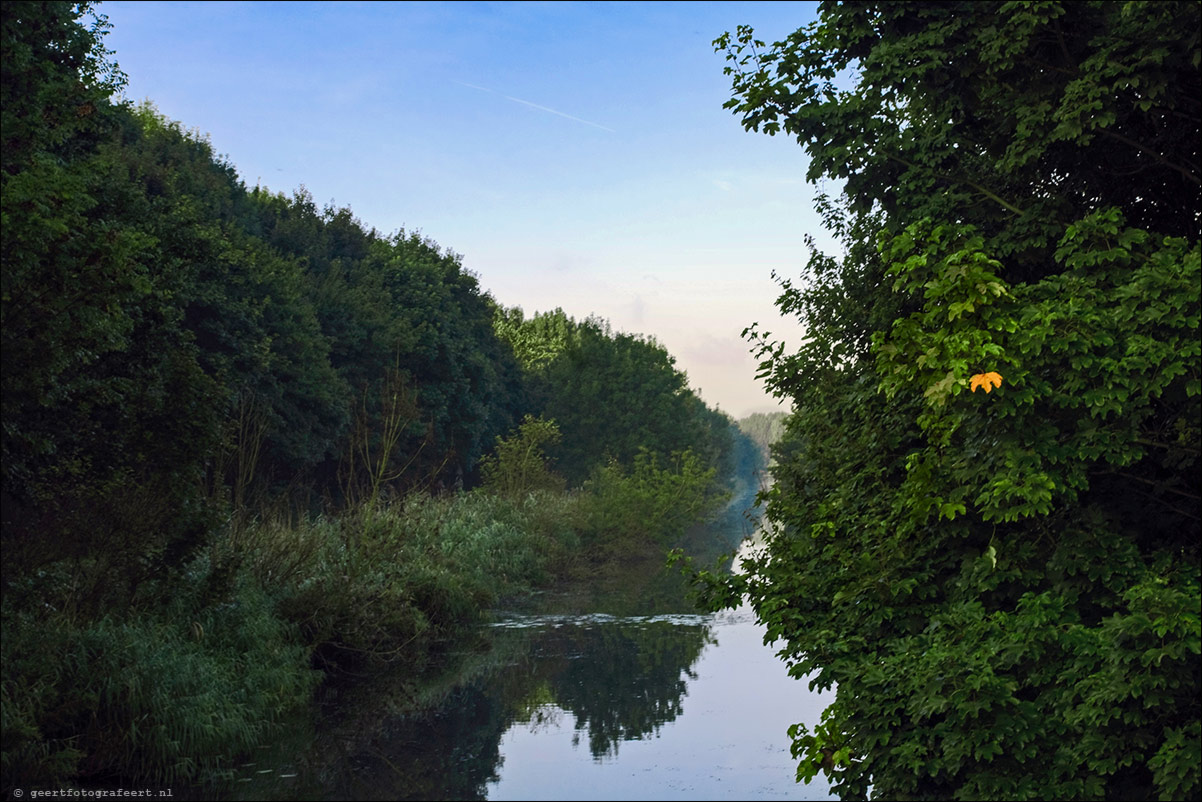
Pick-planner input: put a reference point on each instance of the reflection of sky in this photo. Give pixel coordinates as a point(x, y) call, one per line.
point(576, 154)
point(729, 743)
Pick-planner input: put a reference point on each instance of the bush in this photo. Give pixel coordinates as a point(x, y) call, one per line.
point(383, 581)
point(518, 464)
point(163, 696)
point(651, 502)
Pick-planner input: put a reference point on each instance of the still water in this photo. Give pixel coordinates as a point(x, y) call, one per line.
point(659, 703)
point(669, 707)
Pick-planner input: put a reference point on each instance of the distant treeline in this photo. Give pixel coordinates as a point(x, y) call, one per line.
point(764, 429)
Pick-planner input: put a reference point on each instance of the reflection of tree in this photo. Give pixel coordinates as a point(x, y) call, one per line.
point(538, 710)
point(626, 680)
point(451, 752)
point(621, 680)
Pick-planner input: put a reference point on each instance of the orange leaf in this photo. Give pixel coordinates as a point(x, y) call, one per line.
point(985, 380)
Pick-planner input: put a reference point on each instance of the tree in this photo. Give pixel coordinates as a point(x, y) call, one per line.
point(1003, 587)
point(764, 428)
point(106, 422)
point(612, 394)
point(518, 464)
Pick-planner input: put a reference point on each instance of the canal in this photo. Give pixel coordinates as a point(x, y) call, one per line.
point(613, 694)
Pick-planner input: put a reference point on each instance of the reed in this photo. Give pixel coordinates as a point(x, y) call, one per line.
point(206, 661)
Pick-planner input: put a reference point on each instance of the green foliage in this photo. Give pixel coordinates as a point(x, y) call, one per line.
point(56, 84)
point(101, 387)
point(165, 696)
point(650, 500)
point(385, 581)
point(1087, 363)
point(518, 463)
point(1002, 587)
point(611, 394)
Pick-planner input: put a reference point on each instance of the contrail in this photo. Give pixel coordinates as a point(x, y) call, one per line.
point(536, 106)
point(560, 113)
point(473, 86)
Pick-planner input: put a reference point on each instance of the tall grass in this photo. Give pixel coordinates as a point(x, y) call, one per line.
point(161, 696)
point(385, 580)
point(201, 665)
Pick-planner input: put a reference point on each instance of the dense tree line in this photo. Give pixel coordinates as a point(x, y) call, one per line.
point(1002, 585)
point(613, 394)
point(192, 367)
point(764, 429)
point(168, 329)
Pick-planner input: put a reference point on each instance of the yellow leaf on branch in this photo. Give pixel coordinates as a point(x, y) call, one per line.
point(985, 380)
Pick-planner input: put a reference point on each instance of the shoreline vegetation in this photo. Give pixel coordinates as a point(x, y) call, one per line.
point(250, 443)
point(179, 688)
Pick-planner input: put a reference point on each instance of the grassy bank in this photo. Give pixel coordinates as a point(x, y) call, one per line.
point(206, 663)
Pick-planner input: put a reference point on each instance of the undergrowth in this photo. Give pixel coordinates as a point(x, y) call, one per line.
point(201, 665)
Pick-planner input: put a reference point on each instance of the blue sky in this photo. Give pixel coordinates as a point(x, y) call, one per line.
point(576, 154)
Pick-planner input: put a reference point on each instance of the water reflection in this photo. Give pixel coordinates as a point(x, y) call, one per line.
point(621, 679)
point(718, 731)
point(591, 707)
point(566, 706)
point(607, 680)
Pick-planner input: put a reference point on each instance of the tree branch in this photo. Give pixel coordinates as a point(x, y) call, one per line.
point(986, 192)
point(1159, 159)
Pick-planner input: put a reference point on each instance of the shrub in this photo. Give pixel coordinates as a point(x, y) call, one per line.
point(161, 696)
point(518, 464)
point(650, 501)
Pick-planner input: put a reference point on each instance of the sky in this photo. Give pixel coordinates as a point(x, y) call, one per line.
point(576, 155)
